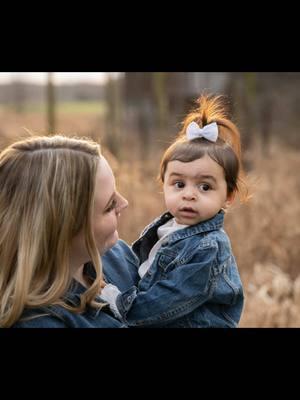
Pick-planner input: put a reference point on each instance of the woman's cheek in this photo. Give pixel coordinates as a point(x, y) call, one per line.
point(106, 234)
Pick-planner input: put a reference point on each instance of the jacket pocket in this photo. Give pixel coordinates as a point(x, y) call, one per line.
point(165, 260)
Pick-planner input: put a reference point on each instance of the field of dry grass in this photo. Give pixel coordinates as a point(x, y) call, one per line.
point(265, 232)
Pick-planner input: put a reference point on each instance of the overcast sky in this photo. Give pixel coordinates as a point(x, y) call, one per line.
point(59, 77)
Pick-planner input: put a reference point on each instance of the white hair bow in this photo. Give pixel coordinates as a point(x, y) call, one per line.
point(209, 132)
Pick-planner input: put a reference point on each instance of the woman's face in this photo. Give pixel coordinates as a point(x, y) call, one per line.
point(108, 206)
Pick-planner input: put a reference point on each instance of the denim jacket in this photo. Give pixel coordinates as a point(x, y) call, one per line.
point(192, 282)
point(59, 317)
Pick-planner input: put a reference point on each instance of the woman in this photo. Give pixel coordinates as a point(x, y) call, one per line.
point(59, 209)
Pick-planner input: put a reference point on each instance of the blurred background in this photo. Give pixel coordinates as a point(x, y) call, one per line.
point(136, 115)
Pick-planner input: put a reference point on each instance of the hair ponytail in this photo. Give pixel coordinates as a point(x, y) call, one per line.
point(212, 108)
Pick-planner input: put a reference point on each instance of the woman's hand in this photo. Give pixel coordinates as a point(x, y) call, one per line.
point(103, 284)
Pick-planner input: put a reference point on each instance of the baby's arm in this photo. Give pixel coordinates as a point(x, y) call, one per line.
point(184, 289)
point(120, 266)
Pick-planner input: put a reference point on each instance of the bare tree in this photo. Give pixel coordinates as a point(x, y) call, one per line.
point(50, 103)
point(161, 99)
point(18, 95)
point(113, 116)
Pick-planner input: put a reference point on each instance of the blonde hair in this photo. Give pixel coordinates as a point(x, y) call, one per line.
point(226, 151)
point(46, 197)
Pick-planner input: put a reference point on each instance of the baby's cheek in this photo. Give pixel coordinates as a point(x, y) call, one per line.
point(171, 201)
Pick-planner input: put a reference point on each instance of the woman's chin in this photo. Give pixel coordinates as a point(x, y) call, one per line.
point(110, 242)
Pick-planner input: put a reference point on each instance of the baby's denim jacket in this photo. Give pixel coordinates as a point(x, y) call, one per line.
point(193, 281)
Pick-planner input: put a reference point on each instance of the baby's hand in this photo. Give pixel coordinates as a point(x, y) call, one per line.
point(103, 284)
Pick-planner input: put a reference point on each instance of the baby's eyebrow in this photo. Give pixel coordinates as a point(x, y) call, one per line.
point(211, 177)
point(199, 176)
point(176, 174)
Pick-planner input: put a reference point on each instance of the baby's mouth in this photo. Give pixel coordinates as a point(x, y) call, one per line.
point(188, 211)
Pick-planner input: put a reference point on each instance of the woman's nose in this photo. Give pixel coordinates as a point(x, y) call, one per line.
point(123, 203)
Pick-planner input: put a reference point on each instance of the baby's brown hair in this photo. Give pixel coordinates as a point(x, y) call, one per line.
point(226, 151)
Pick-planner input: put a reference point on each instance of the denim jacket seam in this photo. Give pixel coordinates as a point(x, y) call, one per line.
point(229, 318)
point(171, 315)
point(130, 261)
point(130, 295)
point(234, 288)
point(186, 258)
point(56, 312)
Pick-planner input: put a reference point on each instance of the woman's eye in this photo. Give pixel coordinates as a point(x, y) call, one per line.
point(204, 187)
point(112, 206)
point(179, 185)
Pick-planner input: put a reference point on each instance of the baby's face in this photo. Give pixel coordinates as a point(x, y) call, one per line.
point(195, 191)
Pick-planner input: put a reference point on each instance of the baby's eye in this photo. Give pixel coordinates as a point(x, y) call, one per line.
point(179, 184)
point(204, 187)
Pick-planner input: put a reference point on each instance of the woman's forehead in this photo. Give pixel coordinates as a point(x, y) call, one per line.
point(105, 182)
point(104, 169)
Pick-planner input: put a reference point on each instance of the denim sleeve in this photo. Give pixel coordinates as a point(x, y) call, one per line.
point(178, 294)
point(120, 266)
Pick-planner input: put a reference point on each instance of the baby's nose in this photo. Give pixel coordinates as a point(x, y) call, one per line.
point(189, 194)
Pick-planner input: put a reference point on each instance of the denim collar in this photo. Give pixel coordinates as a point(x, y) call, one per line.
point(211, 224)
point(73, 297)
point(76, 289)
point(73, 294)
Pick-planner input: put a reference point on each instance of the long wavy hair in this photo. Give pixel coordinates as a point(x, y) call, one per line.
point(46, 197)
point(226, 151)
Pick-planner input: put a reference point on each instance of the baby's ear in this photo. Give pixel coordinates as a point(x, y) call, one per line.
point(229, 200)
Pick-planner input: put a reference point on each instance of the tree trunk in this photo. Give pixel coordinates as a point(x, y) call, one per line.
point(50, 104)
point(18, 96)
point(113, 116)
point(161, 100)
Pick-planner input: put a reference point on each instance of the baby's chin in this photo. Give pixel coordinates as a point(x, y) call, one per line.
point(188, 221)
